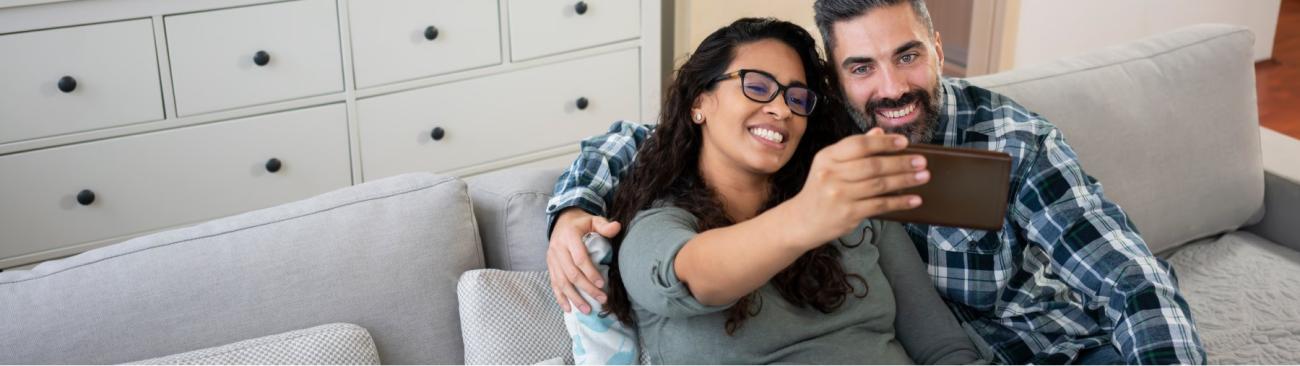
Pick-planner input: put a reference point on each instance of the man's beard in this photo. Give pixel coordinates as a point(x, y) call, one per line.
point(920, 130)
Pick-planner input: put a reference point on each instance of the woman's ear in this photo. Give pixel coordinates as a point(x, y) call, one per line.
point(700, 109)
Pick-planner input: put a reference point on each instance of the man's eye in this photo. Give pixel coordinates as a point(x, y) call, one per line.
point(860, 70)
point(907, 59)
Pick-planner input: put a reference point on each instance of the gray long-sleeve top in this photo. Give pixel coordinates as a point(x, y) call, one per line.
point(901, 319)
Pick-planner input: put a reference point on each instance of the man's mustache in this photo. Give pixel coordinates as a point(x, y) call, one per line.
point(902, 101)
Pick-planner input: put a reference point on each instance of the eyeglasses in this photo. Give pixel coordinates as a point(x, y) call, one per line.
point(762, 87)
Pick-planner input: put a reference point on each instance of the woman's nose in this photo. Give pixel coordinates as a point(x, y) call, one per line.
point(777, 109)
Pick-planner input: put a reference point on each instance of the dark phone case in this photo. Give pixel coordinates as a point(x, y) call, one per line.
point(967, 188)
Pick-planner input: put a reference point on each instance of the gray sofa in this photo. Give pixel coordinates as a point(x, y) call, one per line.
point(1169, 125)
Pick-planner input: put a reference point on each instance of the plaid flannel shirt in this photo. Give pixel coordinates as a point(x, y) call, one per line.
point(1068, 271)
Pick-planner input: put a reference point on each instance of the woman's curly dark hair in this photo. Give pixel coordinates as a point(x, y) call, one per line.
point(667, 167)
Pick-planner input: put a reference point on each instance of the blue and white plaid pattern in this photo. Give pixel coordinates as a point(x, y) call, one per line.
point(1067, 272)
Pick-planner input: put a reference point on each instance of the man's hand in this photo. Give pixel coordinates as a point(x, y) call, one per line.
point(567, 260)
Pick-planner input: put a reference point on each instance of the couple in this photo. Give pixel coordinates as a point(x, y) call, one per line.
point(749, 206)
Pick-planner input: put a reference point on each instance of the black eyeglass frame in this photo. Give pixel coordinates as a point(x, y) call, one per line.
point(780, 89)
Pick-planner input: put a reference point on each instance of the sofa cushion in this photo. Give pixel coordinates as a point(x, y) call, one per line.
point(510, 206)
point(510, 317)
point(384, 255)
point(330, 344)
point(1168, 124)
point(1243, 292)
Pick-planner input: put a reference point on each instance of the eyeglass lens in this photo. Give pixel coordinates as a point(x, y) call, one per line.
point(762, 88)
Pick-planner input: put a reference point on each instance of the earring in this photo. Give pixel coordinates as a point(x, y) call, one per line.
point(699, 117)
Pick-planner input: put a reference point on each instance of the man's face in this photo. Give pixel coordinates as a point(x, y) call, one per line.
point(888, 65)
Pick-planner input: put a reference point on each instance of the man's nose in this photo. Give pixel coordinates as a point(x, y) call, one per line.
point(893, 84)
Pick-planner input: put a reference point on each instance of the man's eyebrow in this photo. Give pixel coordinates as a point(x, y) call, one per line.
point(856, 60)
point(908, 46)
point(867, 60)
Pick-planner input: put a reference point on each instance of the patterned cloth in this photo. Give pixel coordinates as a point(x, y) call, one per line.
point(330, 344)
point(510, 318)
point(1067, 272)
point(597, 339)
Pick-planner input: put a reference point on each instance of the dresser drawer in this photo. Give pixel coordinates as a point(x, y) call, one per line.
point(155, 180)
point(397, 40)
point(495, 117)
point(253, 55)
point(76, 79)
point(544, 27)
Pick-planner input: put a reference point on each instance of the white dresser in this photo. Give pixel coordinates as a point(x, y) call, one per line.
point(124, 117)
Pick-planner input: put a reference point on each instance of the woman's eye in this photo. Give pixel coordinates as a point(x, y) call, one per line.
point(757, 88)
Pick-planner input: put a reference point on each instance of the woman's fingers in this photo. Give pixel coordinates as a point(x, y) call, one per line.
point(877, 166)
point(860, 146)
point(881, 205)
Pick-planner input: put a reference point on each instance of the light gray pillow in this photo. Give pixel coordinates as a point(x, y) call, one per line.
point(330, 344)
point(510, 317)
point(510, 206)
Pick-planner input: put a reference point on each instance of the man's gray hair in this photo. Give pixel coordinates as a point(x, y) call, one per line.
point(828, 12)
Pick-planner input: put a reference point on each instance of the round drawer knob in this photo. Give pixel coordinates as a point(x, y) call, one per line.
point(85, 197)
point(582, 103)
point(580, 7)
point(273, 165)
point(431, 33)
point(261, 58)
point(67, 84)
point(438, 133)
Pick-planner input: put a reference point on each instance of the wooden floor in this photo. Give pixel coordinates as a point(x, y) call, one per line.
point(1277, 81)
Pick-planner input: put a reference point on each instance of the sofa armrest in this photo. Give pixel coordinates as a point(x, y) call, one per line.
point(1281, 190)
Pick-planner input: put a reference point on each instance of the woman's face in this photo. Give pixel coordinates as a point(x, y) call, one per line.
point(756, 137)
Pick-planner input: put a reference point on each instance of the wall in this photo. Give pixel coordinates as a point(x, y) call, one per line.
point(695, 19)
point(952, 19)
point(1048, 30)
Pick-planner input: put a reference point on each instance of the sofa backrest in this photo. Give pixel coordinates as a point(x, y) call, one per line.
point(383, 255)
point(509, 206)
point(1168, 124)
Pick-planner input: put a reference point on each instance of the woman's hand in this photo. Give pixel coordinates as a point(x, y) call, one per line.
point(849, 182)
point(568, 262)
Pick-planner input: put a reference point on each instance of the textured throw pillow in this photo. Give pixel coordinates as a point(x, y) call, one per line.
point(510, 317)
point(330, 344)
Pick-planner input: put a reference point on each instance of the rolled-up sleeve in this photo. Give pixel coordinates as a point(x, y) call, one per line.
point(646, 258)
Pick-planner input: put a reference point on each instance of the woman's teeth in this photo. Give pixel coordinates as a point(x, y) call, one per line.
point(900, 112)
point(767, 134)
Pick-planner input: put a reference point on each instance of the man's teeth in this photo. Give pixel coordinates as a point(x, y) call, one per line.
point(900, 112)
point(767, 134)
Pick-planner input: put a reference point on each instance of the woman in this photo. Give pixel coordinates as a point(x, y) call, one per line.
point(735, 253)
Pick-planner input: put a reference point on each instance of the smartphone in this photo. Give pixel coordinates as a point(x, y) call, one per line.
point(967, 188)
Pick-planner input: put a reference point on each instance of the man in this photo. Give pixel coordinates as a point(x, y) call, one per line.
point(1067, 279)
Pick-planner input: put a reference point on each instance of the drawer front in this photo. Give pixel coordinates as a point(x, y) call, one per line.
point(109, 72)
point(545, 27)
point(216, 56)
point(392, 40)
point(498, 116)
point(155, 180)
